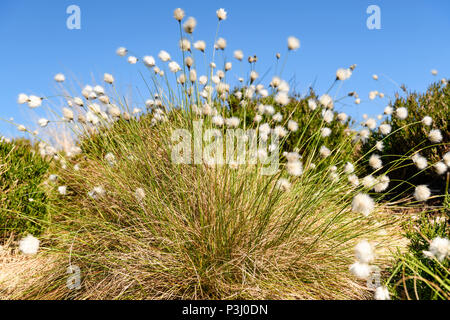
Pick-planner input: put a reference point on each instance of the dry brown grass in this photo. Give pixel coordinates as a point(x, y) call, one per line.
point(19, 272)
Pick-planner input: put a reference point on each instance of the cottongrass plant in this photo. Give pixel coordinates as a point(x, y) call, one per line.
point(141, 226)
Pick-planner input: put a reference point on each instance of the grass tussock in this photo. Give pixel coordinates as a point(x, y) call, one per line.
point(204, 232)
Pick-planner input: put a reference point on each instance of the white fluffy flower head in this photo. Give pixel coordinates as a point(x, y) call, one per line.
point(364, 252)
point(422, 193)
point(59, 77)
point(402, 113)
point(190, 25)
point(221, 14)
point(375, 161)
point(29, 245)
point(178, 14)
point(164, 56)
point(439, 249)
point(435, 136)
point(363, 203)
point(293, 43)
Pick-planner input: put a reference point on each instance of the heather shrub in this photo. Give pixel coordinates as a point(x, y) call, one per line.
point(422, 273)
point(23, 202)
point(408, 150)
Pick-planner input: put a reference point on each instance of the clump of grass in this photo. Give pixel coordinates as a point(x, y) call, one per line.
point(203, 232)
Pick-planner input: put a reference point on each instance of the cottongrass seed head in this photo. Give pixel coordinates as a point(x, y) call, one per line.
point(439, 249)
point(382, 293)
point(293, 43)
point(422, 193)
point(435, 136)
point(29, 245)
point(363, 203)
point(360, 270)
point(364, 252)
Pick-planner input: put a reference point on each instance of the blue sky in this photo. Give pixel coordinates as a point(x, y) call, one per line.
point(36, 44)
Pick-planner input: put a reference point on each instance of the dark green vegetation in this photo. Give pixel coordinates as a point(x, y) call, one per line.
point(22, 198)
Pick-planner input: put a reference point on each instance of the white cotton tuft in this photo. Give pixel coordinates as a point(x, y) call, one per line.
point(363, 203)
point(324, 151)
point(218, 120)
point(108, 78)
point(446, 159)
point(343, 74)
point(349, 168)
point(185, 44)
point(312, 104)
point(422, 193)
point(293, 43)
point(385, 128)
point(360, 270)
point(342, 117)
point(280, 131)
point(203, 80)
point(369, 181)
point(277, 117)
point(382, 183)
point(435, 136)
point(382, 293)
point(282, 98)
point(174, 67)
point(139, 194)
point(62, 190)
point(43, 122)
point(29, 245)
point(326, 101)
point(379, 145)
point(96, 192)
point(294, 168)
point(283, 184)
point(325, 132)
point(190, 25)
point(440, 167)
point(292, 125)
point(238, 54)
point(122, 51)
point(67, 114)
point(253, 75)
point(420, 161)
point(364, 252)
point(439, 249)
point(221, 14)
point(232, 122)
point(34, 102)
point(388, 110)
point(221, 43)
point(132, 60)
point(178, 14)
point(22, 98)
point(59, 77)
point(402, 113)
point(164, 56)
point(427, 120)
point(328, 116)
point(371, 123)
point(375, 161)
